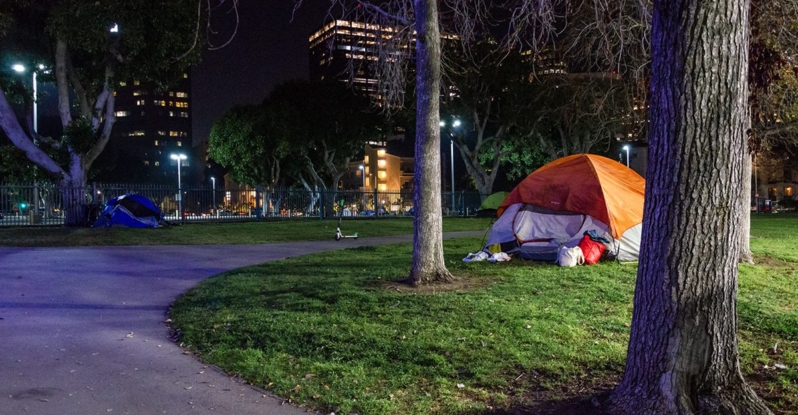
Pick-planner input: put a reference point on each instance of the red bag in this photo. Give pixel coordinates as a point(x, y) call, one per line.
point(591, 249)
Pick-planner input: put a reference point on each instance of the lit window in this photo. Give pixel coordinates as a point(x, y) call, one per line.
point(788, 192)
point(122, 83)
point(183, 114)
point(146, 162)
point(185, 75)
point(366, 161)
point(382, 187)
point(228, 196)
point(382, 174)
point(161, 132)
point(181, 104)
point(138, 93)
point(137, 133)
point(181, 94)
point(381, 163)
point(156, 142)
point(157, 163)
point(122, 113)
point(171, 94)
point(180, 144)
point(140, 102)
point(173, 133)
point(171, 113)
point(136, 82)
point(380, 153)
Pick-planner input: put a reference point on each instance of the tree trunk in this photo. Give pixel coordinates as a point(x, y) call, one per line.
point(73, 196)
point(428, 264)
point(683, 354)
point(745, 199)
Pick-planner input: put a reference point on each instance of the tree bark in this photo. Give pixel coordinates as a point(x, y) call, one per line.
point(683, 353)
point(428, 264)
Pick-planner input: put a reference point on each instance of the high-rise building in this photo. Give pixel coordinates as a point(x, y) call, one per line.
point(348, 50)
point(150, 126)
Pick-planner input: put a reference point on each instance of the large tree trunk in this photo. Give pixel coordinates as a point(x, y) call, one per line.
point(428, 264)
point(683, 354)
point(73, 196)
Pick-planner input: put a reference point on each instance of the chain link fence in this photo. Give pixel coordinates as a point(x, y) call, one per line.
point(39, 204)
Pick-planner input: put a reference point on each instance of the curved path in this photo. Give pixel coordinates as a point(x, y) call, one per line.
point(82, 329)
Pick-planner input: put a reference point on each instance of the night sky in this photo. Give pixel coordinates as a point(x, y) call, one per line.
point(268, 48)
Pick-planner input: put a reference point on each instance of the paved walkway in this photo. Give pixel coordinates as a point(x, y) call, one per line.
point(82, 330)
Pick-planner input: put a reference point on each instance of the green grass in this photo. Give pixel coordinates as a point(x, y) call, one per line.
point(222, 233)
point(332, 331)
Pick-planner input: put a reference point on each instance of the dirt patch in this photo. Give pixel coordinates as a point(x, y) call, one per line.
point(767, 261)
point(460, 284)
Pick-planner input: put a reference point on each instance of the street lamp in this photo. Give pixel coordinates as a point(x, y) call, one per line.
point(456, 124)
point(21, 69)
point(213, 181)
point(626, 148)
point(363, 176)
point(179, 158)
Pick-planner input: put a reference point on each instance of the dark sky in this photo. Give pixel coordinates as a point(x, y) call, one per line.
point(268, 48)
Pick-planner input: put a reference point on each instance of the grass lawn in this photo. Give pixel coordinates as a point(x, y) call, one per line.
point(222, 233)
point(333, 332)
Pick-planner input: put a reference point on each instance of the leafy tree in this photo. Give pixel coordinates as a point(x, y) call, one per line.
point(247, 141)
point(491, 96)
point(683, 352)
point(304, 133)
point(73, 41)
point(327, 124)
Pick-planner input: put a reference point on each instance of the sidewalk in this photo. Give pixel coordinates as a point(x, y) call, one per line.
point(82, 330)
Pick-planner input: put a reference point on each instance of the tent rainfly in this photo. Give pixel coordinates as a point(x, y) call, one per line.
point(556, 204)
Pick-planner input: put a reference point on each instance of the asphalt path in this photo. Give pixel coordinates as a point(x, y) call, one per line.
point(83, 329)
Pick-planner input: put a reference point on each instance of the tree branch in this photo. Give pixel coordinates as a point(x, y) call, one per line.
point(61, 82)
point(10, 125)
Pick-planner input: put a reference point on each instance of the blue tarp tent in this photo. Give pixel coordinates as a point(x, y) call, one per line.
point(133, 211)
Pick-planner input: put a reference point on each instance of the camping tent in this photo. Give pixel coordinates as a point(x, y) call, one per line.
point(491, 204)
point(560, 201)
point(133, 211)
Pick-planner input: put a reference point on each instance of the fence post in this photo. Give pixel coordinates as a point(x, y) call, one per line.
point(322, 204)
point(376, 206)
point(258, 204)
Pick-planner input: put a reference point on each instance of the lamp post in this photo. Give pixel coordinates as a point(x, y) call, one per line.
point(213, 181)
point(455, 124)
point(626, 148)
point(363, 176)
point(179, 158)
point(21, 69)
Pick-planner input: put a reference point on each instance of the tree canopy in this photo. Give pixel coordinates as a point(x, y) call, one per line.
point(86, 48)
point(303, 133)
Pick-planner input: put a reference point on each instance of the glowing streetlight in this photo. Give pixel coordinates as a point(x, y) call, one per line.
point(179, 158)
point(626, 148)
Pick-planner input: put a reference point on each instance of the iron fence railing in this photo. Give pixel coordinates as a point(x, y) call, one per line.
point(47, 204)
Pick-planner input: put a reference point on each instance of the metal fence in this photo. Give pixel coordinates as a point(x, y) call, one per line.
point(47, 204)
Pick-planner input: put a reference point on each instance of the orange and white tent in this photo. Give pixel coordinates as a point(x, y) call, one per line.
point(559, 202)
